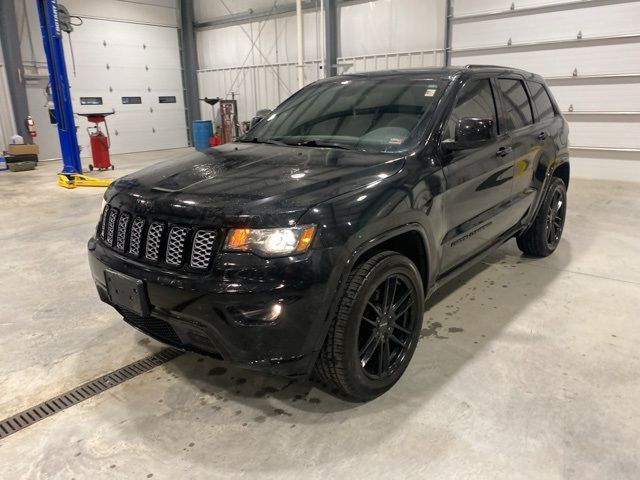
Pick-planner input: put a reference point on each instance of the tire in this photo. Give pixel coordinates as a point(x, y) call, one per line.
point(362, 341)
point(91, 167)
point(543, 236)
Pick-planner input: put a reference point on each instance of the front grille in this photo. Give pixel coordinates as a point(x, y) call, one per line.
point(123, 225)
point(136, 236)
point(158, 329)
point(111, 225)
point(175, 245)
point(202, 248)
point(178, 246)
point(103, 225)
point(154, 240)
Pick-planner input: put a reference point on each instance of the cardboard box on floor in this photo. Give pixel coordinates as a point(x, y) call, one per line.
point(23, 149)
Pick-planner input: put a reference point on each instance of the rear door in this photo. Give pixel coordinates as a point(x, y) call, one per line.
point(526, 139)
point(479, 180)
point(548, 124)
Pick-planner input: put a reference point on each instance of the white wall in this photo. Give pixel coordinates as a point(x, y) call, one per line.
point(408, 25)
point(266, 75)
point(138, 41)
point(591, 95)
point(263, 76)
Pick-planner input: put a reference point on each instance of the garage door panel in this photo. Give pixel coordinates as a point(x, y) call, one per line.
point(471, 7)
point(595, 79)
point(592, 22)
point(596, 131)
point(599, 95)
point(560, 61)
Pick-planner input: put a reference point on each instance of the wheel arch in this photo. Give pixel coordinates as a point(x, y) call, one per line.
point(409, 241)
point(562, 171)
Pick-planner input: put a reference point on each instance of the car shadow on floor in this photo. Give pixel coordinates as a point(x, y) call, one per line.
point(462, 320)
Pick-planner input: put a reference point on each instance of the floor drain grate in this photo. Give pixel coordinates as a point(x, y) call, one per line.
point(90, 389)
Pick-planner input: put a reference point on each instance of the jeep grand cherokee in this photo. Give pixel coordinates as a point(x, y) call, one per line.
point(311, 243)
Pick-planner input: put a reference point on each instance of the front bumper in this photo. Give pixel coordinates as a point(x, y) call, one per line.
point(220, 313)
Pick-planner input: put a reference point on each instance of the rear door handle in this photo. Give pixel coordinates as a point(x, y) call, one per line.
point(504, 151)
point(542, 136)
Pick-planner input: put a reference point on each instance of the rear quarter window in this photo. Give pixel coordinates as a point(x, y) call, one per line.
point(542, 101)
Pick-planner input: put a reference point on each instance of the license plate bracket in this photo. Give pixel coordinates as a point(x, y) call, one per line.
point(127, 292)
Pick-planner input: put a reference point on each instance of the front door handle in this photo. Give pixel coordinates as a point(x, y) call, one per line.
point(504, 151)
point(542, 136)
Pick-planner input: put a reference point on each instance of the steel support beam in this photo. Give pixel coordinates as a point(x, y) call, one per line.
point(330, 61)
point(13, 62)
point(189, 59)
point(448, 27)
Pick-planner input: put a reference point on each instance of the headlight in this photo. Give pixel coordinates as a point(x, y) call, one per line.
point(270, 241)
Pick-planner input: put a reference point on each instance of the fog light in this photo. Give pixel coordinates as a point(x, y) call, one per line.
point(267, 314)
point(275, 312)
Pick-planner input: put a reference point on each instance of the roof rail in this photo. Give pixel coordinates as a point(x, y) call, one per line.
point(485, 66)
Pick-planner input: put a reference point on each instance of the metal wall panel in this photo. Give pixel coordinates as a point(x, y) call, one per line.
point(265, 75)
point(386, 61)
point(256, 61)
point(389, 26)
point(255, 87)
point(588, 50)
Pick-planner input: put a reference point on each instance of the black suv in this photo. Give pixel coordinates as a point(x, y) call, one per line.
point(311, 243)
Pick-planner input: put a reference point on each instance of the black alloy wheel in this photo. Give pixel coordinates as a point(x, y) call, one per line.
point(375, 330)
point(386, 327)
point(543, 236)
point(555, 218)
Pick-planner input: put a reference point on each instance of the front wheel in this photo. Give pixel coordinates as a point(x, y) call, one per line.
point(543, 236)
point(376, 329)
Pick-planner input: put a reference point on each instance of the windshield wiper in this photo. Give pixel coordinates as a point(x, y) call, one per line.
point(267, 141)
point(320, 143)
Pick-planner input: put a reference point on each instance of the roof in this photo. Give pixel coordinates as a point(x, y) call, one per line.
point(442, 71)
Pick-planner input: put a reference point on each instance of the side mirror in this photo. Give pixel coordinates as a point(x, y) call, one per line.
point(260, 115)
point(470, 133)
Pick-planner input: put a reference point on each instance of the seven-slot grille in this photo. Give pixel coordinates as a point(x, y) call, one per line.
point(154, 241)
point(175, 245)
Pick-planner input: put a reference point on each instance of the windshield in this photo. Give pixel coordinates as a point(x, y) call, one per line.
point(379, 113)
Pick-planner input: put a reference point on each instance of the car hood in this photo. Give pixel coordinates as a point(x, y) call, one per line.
point(249, 184)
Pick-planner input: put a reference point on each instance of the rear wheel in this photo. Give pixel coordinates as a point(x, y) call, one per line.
point(376, 328)
point(543, 236)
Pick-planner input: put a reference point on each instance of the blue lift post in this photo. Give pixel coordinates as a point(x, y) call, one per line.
point(59, 81)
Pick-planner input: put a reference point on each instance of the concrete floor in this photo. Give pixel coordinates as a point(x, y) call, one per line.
point(526, 369)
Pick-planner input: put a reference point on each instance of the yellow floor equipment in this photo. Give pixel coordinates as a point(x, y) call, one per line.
point(73, 180)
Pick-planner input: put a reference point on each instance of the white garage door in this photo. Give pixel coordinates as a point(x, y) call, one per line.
point(137, 63)
point(589, 53)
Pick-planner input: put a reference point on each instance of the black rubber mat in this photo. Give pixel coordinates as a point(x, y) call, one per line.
point(85, 391)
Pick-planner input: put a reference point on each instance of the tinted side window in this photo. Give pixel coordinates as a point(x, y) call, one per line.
point(542, 101)
point(517, 109)
point(474, 101)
